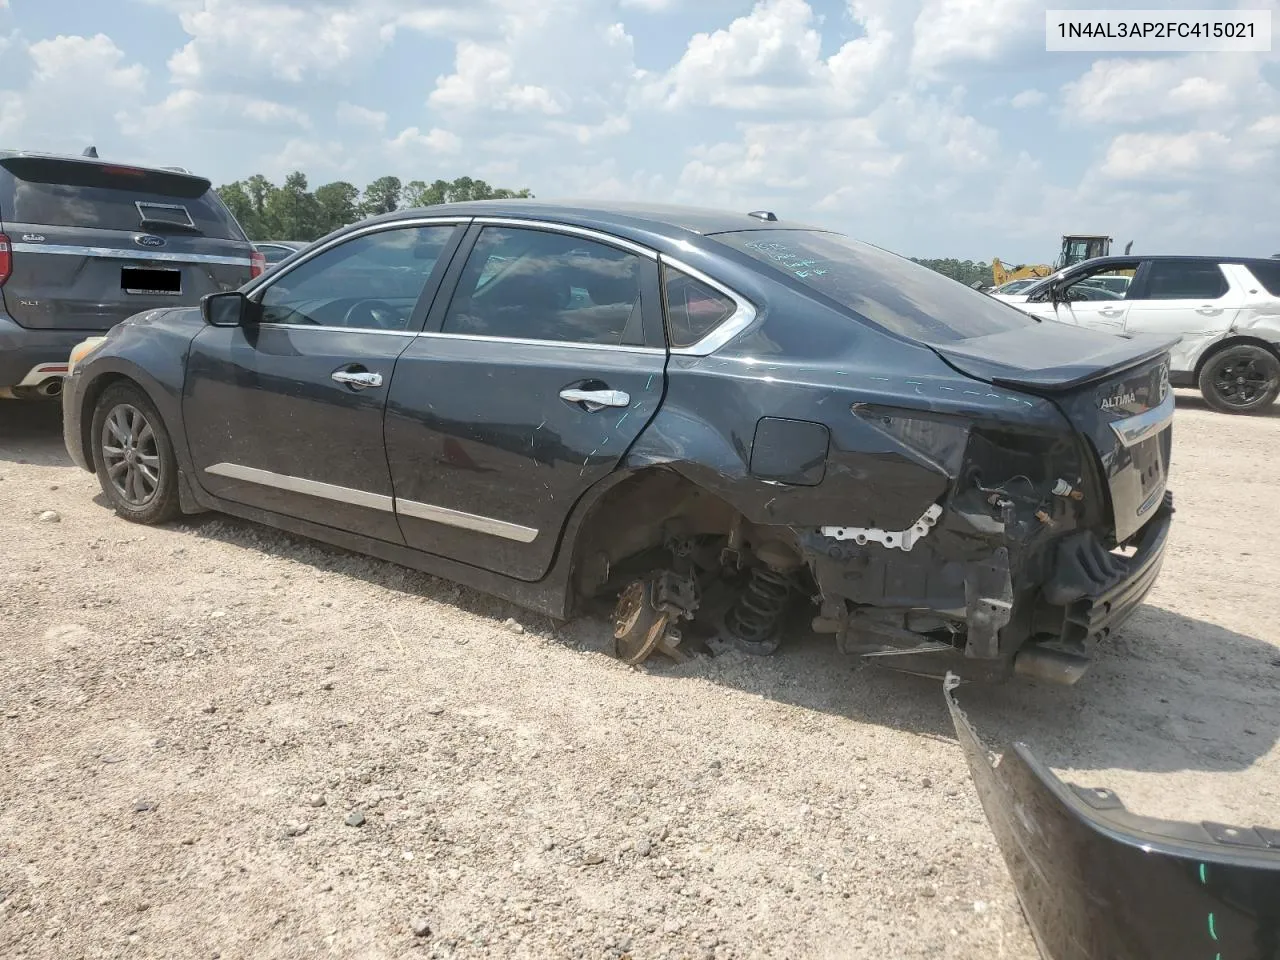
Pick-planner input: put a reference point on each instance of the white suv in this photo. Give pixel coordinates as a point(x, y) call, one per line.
point(1227, 312)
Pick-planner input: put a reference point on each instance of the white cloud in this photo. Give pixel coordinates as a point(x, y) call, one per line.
point(287, 41)
point(1027, 99)
point(434, 141)
point(483, 79)
point(951, 32)
point(77, 85)
point(1165, 155)
point(770, 59)
point(1134, 91)
point(357, 116)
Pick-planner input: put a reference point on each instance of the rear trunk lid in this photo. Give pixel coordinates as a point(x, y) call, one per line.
point(1113, 389)
point(94, 243)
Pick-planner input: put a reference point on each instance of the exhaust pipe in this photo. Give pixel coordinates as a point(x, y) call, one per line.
point(50, 388)
point(1051, 666)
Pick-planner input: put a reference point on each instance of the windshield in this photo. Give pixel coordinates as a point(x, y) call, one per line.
point(890, 291)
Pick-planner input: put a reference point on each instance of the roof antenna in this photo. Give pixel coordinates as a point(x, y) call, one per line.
point(1127, 247)
point(763, 215)
point(90, 152)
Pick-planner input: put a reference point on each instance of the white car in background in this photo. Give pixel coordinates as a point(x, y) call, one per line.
point(1226, 310)
point(1010, 290)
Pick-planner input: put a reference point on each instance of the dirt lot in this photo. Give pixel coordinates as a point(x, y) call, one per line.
point(191, 717)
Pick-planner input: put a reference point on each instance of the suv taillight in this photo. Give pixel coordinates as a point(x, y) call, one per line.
point(257, 264)
point(6, 258)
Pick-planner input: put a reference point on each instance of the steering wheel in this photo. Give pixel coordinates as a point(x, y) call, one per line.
point(377, 314)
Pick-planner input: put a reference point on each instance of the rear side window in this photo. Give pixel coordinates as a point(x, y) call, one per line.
point(68, 193)
point(1268, 275)
point(1184, 280)
point(539, 285)
point(693, 308)
point(889, 291)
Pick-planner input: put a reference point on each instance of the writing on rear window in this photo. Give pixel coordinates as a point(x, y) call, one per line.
point(797, 263)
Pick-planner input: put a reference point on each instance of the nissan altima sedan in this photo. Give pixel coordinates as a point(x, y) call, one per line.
point(707, 420)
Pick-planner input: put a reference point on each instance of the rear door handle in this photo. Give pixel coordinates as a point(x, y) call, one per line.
point(1110, 311)
point(595, 400)
point(357, 379)
point(1209, 311)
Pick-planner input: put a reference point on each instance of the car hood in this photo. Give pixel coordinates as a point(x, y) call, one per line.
point(1095, 880)
point(1051, 356)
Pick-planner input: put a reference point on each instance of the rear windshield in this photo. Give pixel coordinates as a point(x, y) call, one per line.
point(69, 193)
point(888, 290)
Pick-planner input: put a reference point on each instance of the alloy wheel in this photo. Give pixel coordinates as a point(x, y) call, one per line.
point(1241, 382)
point(131, 455)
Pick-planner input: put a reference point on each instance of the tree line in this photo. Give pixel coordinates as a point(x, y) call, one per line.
point(967, 272)
point(294, 212)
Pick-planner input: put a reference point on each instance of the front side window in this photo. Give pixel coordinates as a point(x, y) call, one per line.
point(889, 291)
point(1185, 280)
point(532, 284)
point(693, 308)
point(370, 282)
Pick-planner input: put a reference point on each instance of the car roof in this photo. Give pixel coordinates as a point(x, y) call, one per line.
point(1182, 258)
point(671, 221)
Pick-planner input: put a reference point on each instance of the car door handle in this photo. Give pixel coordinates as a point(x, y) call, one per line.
point(1110, 311)
point(357, 379)
point(595, 400)
point(1209, 311)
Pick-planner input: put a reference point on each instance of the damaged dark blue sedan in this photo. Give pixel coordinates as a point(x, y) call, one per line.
point(710, 422)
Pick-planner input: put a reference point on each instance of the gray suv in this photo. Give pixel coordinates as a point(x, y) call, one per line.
point(85, 243)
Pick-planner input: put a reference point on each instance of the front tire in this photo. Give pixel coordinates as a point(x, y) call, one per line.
point(1241, 379)
point(133, 456)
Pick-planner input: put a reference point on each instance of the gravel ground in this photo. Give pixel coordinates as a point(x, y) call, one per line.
point(219, 740)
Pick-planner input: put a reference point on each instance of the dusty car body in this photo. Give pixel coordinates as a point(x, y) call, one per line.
point(1096, 881)
point(710, 416)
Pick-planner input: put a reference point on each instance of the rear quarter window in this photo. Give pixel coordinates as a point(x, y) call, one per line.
point(883, 288)
point(1268, 274)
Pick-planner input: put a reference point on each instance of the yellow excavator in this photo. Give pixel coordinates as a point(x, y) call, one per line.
point(1075, 249)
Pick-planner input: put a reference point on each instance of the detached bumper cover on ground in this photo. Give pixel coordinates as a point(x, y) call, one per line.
point(1097, 881)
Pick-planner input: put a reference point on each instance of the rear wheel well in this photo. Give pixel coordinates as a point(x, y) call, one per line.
point(639, 514)
point(1236, 341)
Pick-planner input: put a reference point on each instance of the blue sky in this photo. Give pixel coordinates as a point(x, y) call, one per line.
point(933, 127)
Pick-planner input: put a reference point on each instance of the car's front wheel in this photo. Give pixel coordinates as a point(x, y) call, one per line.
point(133, 456)
point(1241, 379)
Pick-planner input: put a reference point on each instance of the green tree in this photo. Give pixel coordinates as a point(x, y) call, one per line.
point(417, 193)
point(292, 212)
point(967, 272)
point(339, 205)
point(381, 196)
point(237, 200)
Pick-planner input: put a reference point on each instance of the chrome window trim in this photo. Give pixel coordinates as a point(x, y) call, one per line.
point(529, 342)
point(311, 488)
point(74, 250)
point(271, 325)
point(280, 271)
point(585, 232)
point(738, 321)
point(1133, 430)
point(466, 521)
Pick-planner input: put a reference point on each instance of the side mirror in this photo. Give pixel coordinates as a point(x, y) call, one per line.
point(229, 309)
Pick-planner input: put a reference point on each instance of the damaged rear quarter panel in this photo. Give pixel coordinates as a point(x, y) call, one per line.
point(706, 426)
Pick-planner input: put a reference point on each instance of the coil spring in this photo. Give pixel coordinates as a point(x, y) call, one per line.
point(756, 612)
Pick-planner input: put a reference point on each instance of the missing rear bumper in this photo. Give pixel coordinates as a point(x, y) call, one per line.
point(1096, 881)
